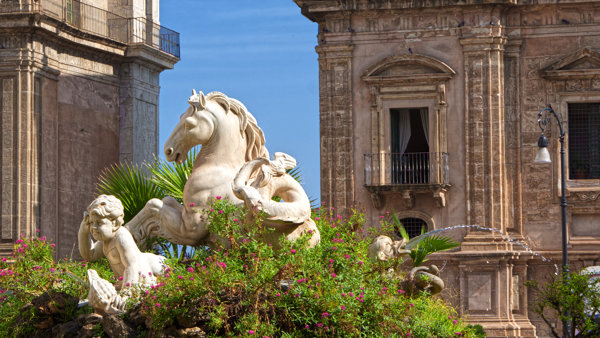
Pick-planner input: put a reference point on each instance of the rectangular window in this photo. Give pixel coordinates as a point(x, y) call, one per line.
point(410, 145)
point(584, 140)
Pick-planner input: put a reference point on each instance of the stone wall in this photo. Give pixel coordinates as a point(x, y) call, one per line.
point(72, 104)
point(484, 72)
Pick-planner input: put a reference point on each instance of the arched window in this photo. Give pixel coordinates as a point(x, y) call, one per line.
point(413, 226)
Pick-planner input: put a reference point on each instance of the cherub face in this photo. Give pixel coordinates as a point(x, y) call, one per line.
point(101, 227)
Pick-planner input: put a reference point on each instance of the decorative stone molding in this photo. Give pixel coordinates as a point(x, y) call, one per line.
point(378, 200)
point(418, 214)
point(408, 199)
point(583, 64)
point(409, 79)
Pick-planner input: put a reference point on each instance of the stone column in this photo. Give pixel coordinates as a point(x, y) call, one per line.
point(487, 196)
point(337, 151)
point(138, 112)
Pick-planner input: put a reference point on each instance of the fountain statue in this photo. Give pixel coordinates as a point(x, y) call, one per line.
point(103, 220)
point(233, 163)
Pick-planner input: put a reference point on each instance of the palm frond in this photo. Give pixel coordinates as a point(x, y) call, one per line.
point(428, 245)
point(171, 178)
point(400, 227)
point(130, 184)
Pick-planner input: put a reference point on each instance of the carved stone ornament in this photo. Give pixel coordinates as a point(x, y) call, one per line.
point(586, 196)
point(378, 200)
point(408, 199)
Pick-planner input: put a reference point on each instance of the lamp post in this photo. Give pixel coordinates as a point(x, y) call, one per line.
point(543, 156)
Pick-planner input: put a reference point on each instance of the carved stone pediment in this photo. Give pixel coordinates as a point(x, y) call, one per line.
point(585, 63)
point(408, 68)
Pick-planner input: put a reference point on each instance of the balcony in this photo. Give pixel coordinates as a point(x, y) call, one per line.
point(408, 174)
point(100, 22)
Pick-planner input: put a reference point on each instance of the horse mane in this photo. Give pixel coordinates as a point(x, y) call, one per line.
point(255, 138)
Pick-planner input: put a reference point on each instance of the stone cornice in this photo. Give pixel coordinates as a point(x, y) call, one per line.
point(315, 9)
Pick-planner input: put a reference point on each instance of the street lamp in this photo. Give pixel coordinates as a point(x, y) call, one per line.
point(542, 156)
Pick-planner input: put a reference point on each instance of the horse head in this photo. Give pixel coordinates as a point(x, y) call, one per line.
point(196, 126)
point(201, 122)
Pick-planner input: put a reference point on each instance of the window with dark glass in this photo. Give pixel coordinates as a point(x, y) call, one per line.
point(410, 145)
point(584, 140)
point(413, 226)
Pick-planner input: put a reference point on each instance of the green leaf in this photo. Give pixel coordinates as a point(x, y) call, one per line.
point(171, 178)
point(131, 185)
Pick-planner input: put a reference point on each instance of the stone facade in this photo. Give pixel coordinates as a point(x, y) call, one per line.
point(482, 71)
point(78, 93)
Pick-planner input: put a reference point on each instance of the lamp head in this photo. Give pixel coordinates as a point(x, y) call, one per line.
point(542, 156)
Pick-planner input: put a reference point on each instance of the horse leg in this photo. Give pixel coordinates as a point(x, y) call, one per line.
point(157, 218)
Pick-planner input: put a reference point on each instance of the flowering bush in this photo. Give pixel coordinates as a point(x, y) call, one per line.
point(31, 271)
point(243, 286)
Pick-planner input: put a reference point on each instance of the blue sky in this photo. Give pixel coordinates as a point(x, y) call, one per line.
point(259, 52)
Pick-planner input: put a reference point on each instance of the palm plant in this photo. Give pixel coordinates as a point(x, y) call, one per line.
point(423, 245)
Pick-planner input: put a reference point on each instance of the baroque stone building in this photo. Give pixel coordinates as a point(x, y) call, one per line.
point(429, 109)
point(79, 91)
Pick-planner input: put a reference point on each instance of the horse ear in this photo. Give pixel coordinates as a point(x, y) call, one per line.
point(202, 100)
point(194, 92)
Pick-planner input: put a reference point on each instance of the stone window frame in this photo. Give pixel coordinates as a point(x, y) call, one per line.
point(564, 75)
point(408, 81)
point(420, 215)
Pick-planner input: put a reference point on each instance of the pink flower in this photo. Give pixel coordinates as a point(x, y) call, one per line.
point(339, 216)
point(249, 331)
point(52, 269)
point(306, 326)
point(343, 307)
point(127, 284)
point(220, 212)
point(454, 321)
point(319, 325)
point(412, 304)
point(278, 295)
point(37, 230)
point(190, 269)
point(331, 260)
point(218, 197)
point(449, 317)
point(180, 277)
point(157, 304)
point(19, 241)
point(381, 217)
point(52, 245)
point(317, 218)
point(120, 277)
point(293, 251)
point(324, 314)
point(235, 220)
point(360, 262)
point(192, 204)
point(401, 292)
point(333, 275)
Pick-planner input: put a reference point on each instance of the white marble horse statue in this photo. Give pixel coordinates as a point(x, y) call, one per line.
point(230, 138)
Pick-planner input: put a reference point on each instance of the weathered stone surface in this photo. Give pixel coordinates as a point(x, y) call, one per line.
point(114, 326)
point(506, 68)
point(66, 330)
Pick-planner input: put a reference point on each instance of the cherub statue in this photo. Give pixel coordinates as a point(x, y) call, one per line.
point(259, 180)
point(103, 220)
point(384, 248)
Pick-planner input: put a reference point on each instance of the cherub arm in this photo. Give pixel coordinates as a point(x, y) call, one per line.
point(90, 250)
point(130, 255)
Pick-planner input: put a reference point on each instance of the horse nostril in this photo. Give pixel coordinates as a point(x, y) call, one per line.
point(168, 151)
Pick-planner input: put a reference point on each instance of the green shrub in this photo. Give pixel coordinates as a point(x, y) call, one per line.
point(30, 272)
point(244, 287)
point(574, 299)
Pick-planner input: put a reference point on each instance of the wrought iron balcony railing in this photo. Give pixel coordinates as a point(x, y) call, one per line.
point(390, 169)
point(100, 22)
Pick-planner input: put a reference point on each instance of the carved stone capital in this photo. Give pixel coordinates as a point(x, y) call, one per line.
point(440, 197)
point(408, 199)
point(378, 200)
